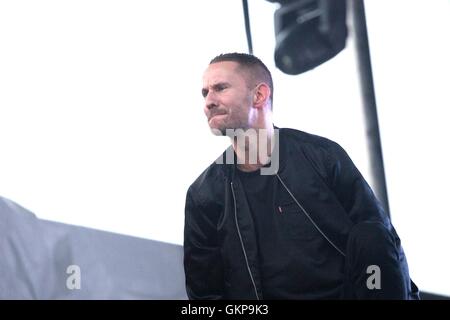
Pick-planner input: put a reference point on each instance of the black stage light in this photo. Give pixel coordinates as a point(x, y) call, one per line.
point(308, 33)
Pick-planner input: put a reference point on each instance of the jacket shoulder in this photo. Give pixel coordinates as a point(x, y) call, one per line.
point(209, 184)
point(308, 140)
point(321, 152)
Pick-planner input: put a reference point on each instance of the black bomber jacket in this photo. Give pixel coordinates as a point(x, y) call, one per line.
point(315, 177)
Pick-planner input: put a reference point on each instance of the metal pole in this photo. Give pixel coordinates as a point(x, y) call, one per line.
point(369, 103)
point(247, 26)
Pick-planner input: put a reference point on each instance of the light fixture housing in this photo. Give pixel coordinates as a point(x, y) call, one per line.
point(308, 33)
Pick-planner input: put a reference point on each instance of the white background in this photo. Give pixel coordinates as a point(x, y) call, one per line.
point(101, 121)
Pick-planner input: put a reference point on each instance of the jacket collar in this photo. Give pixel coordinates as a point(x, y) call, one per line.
point(283, 155)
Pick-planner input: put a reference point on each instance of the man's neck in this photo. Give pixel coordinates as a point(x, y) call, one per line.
point(253, 148)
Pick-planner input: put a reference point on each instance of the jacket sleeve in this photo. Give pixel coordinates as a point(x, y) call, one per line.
point(351, 189)
point(202, 260)
point(361, 204)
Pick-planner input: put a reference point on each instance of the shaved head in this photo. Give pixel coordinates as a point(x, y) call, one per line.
point(253, 69)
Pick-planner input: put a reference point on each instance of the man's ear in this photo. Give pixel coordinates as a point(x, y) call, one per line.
point(261, 95)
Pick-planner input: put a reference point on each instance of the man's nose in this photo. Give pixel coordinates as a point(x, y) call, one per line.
point(210, 101)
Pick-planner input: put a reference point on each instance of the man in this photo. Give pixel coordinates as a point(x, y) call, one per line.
point(310, 229)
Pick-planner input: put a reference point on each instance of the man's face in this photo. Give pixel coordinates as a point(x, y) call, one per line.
point(228, 99)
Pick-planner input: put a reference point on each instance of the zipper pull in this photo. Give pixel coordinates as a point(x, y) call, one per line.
point(279, 209)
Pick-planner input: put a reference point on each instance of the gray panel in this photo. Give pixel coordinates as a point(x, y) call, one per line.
point(35, 255)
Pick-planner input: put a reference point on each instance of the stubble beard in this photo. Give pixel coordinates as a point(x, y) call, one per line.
point(230, 125)
point(229, 129)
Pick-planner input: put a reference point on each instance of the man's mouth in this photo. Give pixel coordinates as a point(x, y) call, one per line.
point(216, 114)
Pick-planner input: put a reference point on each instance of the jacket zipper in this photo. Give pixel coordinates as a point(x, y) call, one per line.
point(242, 243)
point(309, 217)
